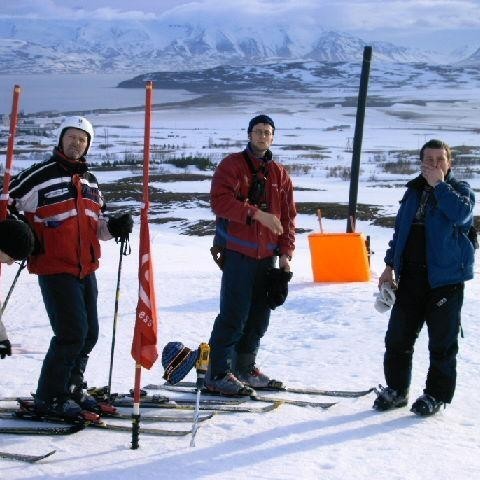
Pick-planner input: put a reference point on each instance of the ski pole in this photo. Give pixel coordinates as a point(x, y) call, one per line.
point(123, 251)
point(201, 366)
point(10, 151)
point(9, 157)
point(19, 271)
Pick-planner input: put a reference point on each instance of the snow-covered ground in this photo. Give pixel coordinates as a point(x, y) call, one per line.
point(325, 336)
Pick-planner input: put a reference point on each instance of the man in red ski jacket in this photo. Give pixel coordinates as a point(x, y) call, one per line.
point(252, 197)
point(62, 203)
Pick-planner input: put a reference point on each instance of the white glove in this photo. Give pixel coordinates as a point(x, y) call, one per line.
point(385, 298)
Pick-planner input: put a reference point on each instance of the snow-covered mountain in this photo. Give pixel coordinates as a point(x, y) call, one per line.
point(32, 45)
point(473, 59)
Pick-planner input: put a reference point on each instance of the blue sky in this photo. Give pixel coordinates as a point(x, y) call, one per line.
point(425, 24)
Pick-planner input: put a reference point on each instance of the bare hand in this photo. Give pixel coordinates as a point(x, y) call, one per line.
point(433, 175)
point(386, 277)
point(270, 221)
point(284, 263)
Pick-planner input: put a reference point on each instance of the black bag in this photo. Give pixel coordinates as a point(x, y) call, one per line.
point(277, 287)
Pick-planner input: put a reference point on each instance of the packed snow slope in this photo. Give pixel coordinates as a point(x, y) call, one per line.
point(325, 336)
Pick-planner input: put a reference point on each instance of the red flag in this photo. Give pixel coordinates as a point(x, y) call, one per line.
point(144, 346)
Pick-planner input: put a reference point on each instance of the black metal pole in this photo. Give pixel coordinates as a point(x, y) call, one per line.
point(115, 316)
point(12, 286)
point(357, 140)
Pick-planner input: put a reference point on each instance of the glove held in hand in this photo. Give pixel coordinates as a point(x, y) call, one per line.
point(385, 298)
point(120, 226)
point(218, 255)
point(277, 286)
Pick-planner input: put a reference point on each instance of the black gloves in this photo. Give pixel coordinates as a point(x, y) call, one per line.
point(120, 225)
point(5, 348)
point(218, 255)
point(277, 286)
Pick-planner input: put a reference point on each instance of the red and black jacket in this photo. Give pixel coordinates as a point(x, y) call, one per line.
point(63, 204)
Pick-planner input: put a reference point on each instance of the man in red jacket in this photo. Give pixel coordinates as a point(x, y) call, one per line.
point(63, 204)
point(252, 197)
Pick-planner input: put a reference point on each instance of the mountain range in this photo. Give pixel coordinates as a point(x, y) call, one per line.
point(43, 46)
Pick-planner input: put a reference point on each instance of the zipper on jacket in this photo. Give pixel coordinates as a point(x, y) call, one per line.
point(80, 215)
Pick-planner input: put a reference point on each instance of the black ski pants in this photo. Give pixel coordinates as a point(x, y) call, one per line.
point(416, 303)
point(71, 304)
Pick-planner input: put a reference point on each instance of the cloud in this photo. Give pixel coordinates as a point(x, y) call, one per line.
point(75, 10)
point(405, 14)
point(346, 15)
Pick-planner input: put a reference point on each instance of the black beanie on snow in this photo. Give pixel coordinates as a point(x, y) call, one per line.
point(16, 239)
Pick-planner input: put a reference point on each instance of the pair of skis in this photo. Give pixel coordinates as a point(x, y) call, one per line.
point(61, 426)
point(302, 391)
point(189, 387)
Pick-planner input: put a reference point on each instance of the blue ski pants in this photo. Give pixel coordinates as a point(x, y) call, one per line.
point(244, 313)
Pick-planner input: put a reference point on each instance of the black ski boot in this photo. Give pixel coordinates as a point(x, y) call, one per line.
point(426, 405)
point(388, 398)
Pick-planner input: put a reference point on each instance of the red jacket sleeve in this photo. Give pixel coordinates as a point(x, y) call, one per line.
point(229, 186)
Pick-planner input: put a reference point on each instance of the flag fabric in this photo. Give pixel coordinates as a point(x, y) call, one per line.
point(144, 346)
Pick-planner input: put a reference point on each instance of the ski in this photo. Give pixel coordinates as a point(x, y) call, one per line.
point(257, 398)
point(6, 413)
point(125, 400)
point(25, 458)
point(302, 391)
point(214, 407)
point(67, 429)
point(291, 401)
point(41, 429)
point(145, 431)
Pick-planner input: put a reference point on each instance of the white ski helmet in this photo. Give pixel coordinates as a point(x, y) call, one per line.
point(77, 122)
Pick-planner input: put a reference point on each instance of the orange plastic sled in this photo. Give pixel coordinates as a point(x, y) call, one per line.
point(339, 257)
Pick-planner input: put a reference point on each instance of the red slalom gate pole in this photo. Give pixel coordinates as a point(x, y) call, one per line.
point(144, 315)
point(9, 160)
point(10, 147)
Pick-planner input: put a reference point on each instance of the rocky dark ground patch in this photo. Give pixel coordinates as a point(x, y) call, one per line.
point(163, 204)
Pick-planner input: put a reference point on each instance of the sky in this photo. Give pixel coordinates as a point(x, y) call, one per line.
point(426, 24)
